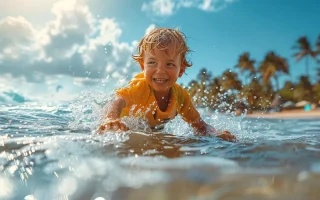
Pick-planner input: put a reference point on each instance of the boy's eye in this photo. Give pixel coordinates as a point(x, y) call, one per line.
point(151, 62)
point(171, 64)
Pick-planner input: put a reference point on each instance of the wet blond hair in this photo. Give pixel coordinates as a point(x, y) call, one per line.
point(162, 38)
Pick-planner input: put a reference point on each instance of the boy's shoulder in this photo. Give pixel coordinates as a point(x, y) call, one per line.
point(138, 82)
point(179, 92)
point(177, 87)
point(136, 87)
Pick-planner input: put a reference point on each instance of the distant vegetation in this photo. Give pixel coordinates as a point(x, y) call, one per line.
point(256, 91)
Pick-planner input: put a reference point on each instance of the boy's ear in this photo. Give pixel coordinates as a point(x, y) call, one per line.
point(181, 71)
point(141, 64)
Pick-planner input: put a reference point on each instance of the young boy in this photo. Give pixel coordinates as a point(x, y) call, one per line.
point(154, 93)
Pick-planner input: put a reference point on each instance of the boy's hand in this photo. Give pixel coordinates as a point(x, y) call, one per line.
point(112, 125)
point(205, 129)
point(226, 135)
point(112, 120)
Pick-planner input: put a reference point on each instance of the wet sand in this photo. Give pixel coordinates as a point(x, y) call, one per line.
point(288, 114)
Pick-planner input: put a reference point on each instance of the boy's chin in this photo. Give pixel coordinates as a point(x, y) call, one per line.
point(161, 87)
point(161, 91)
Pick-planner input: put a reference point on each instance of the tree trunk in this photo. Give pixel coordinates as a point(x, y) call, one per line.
point(277, 82)
point(307, 66)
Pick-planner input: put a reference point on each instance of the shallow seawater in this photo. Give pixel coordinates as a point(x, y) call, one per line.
point(51, 152)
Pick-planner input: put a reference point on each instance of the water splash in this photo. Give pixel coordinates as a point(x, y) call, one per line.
point(88, 110)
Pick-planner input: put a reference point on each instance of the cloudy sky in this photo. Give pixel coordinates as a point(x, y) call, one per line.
point(58, 49)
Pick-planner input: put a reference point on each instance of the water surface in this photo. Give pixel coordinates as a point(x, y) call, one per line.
point(50, 152)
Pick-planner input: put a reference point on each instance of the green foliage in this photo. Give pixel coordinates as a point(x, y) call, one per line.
point(226, 92)
point(316, 92)
point(286, 95)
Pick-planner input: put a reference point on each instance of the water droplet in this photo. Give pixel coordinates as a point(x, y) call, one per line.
point(99, 198)
point(29, 197)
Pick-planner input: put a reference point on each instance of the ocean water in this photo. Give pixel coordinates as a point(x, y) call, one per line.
point(50, 151)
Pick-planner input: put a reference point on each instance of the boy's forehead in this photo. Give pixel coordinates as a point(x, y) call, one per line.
point(171, 50)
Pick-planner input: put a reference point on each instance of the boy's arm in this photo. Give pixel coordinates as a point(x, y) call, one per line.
point(192, 116)
point(202, 128)
point(115, 108)
point(112, 119)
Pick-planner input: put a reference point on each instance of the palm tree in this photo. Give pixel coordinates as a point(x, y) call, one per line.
point(215, 89)
point(316, 92)
point(317, 53)
point(252, 92)
point(304, 89)
point(193, 87)
point(215, 86)
point(204, 78)
point(229, 80)
point(246, 64)
point(193, 90)
point(305, 50)
point(273, 66)
point(318, 46)
point(286, 92)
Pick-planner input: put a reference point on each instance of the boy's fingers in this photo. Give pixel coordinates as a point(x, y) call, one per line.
point(115, 127)
point(99, 131)
point(124, 127)
point(107, 126)
point(232, 138)
point(112, 125)
point(101, 127)
point(226, 135)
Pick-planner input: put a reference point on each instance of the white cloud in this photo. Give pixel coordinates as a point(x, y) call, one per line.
point(53, 88)
point(165, 8)
point(150, 28)
point(185, 3)
point(16, 31)
point(73, 44)
point(159, 7)
point(17, 37)
point(206, 5)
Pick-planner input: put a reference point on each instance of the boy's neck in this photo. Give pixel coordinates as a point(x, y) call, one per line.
point(163, 100)
point(161, 97)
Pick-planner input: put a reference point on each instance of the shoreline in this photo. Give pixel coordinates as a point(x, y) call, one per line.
point(287, 114)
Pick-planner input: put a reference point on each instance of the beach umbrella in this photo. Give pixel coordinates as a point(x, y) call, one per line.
point(288, 104)
point(302, 103)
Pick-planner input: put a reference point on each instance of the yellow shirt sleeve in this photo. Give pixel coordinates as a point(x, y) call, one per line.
point(136, 94)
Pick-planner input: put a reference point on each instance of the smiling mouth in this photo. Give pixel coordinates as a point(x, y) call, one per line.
point(160, 80)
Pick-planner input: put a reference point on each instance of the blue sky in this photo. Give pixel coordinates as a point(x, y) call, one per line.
point(81, 44)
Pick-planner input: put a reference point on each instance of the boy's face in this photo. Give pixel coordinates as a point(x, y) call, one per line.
point(162, 69)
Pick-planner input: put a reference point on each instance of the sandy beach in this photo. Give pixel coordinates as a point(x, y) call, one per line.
point(288, 114)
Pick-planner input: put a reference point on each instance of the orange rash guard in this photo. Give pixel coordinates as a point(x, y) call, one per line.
point(141, 102)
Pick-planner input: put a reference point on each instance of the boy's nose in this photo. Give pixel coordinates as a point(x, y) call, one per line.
point(162, 67)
